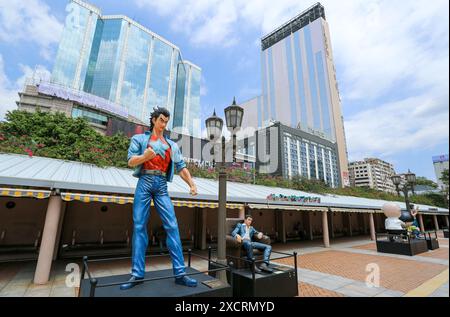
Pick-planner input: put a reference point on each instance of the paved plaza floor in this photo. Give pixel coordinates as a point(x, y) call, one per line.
point(350, 268)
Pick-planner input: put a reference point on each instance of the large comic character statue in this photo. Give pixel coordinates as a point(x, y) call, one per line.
point(155, 158)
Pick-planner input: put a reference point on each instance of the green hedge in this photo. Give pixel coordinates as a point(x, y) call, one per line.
point(58, 136)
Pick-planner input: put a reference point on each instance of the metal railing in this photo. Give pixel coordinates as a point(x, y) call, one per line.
point(94, 281)
point(253, 262)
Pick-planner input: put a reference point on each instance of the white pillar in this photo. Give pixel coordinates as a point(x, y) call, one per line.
point(350, 224)
point(326, 238)
point(282, 225)
point(242, 212)
point(48, 241)
point(310, 229)
point(60, 226)
point(372, 227)
point(422, 227)
point(446, 221)
point(436, 224)
point(363, 217)
point(203, 220)
point(331, 224)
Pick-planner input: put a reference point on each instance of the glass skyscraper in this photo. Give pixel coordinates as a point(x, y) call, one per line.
point(299, 86)
point(115, 58)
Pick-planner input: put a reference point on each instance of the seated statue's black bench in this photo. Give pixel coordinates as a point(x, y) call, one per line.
point(399, 242)
point(283, 282)
point(432, 239)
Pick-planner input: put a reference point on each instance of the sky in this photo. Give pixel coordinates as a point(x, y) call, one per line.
point(391, 59)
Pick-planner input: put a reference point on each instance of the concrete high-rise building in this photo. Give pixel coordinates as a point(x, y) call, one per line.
point(118, 59)
point(440, 164)
point(372, 173)
point(279, 150)
point(299, 86)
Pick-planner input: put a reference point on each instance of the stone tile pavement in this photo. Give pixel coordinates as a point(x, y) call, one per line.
point(338, 271)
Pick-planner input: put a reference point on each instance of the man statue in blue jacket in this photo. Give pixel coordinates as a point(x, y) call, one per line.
point(155, 158)
point(244, 233)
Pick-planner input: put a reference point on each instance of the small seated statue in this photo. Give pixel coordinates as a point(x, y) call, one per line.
point(393, 212)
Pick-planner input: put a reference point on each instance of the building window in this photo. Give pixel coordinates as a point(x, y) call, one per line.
point(90, 116)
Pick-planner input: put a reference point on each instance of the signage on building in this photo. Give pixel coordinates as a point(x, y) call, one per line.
point(294, 198)
point(128, 128)
point(440, 158)
point(81, 97)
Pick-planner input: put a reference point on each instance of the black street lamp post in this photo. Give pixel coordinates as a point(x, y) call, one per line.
point(405, 187)
point(214, 125)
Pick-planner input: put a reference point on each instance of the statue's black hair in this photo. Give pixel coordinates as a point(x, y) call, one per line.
point(157, 111)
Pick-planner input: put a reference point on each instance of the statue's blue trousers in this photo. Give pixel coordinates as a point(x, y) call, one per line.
point(154, 187)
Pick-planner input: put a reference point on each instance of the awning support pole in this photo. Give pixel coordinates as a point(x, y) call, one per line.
point(48, 241)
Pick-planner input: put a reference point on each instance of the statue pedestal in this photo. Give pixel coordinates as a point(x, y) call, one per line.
point(277, 284)
point(399, 245)
point(157, 288)
point(432, 240)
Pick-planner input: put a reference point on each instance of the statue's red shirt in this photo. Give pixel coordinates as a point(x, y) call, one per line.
point(158, 162)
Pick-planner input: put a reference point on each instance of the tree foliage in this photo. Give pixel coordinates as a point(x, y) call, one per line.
point(444, 177)
point(57, 136)
point(420, 180)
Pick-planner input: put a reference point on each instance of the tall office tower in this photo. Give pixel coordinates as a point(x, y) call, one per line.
point(299, 86)
point(116, 58)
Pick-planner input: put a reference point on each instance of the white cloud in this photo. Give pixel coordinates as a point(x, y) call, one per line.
point(414, 123)
point(8, 95)
point(29, 21)
point(392, 60)
point(206, 22)
point(379, 44)
point(9, 88)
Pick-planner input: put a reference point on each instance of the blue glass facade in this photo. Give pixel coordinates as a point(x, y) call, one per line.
point(158, 86)
point(301, 84)
point(117, 59)
point(180, 94)
point(299, 90)
point(292, 99)
point(273, 114)
point(194, 99)
point(324, 101)
point(135, 72)
point(312, 78)
point(106, 73)
point(265, 100)
point(72, 58)
point(295, 81)
point(90, 115)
